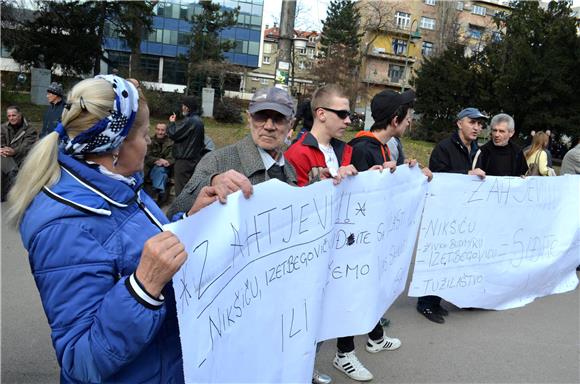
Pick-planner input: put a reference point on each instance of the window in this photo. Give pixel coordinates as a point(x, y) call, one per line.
point(427, 23)
point(264, 81)
point(310, 53)
point(267, 48)
point(496, 37)
point(183, 38)
point(475, 31)
point(427, 48)
point(479, 10)
point(395, 73)
point(402, 19)
point(430, 2)
point(253, 48)
point(266, 60)
point(169, 37)
point(399, 47)
point(302, 51)
point(459, 5)
point(301, 65)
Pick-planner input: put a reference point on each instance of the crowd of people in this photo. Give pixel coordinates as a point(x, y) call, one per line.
point(99, 256)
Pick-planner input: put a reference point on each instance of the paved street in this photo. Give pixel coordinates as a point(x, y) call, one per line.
point(539, 343)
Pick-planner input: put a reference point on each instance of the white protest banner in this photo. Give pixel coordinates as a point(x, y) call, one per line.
point(498, 243)
point(268, 277)
point(366, 278)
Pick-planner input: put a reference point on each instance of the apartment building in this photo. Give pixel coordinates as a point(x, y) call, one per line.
point(304, 53)
point(414, 30)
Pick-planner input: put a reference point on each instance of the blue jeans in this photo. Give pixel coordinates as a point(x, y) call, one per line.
point(159, 176)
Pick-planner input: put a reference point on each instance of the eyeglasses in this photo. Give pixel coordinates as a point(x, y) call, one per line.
point(261, 117)
point(342, 113)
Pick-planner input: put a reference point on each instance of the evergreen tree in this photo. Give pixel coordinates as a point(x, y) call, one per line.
point(206, 56)
point(340, 59)
point(530, 72)
point(535, 68)
point(71, 34)
point(64, 32)
point(445, 84)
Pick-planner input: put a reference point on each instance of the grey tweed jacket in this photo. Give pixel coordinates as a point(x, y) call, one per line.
point(242, 156)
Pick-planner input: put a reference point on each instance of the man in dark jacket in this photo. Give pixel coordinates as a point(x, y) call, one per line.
point(159, 160)
point(53, 114)
point(17, 138)
point(454, 154)
point(500, 156)
point(188, 142)
point(392, 112)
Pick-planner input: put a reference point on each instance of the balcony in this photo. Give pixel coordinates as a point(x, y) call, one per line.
point(374, 80)
point(382, 54)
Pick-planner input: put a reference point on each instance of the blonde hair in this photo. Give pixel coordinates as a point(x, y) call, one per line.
point(540, 142)
point(323, 96)
point(40, 168)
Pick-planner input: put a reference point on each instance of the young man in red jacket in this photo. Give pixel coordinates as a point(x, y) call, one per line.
point(318, 155)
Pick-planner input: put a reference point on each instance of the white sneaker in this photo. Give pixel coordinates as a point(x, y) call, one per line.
point(349, 364)
point(320, 378)
point(387, 344)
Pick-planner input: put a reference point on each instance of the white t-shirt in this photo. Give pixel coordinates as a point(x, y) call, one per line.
point(330, 159)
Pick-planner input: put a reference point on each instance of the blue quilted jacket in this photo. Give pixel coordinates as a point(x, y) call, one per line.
point(84, 236)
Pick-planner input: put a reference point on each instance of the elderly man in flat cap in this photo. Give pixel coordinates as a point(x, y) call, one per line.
point(254, 159)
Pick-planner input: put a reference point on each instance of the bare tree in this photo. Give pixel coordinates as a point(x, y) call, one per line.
point(448, 31)
point(376, 17)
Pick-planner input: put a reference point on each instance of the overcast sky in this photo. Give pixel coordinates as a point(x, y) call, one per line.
point(310, 12)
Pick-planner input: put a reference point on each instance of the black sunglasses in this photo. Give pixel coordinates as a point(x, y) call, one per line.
point(342, 113)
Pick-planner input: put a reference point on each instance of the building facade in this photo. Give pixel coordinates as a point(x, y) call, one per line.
point(410, 31)
point(305, 50)
point(161, 49)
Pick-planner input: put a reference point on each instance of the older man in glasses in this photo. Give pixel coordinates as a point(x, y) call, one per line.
point(254, 159)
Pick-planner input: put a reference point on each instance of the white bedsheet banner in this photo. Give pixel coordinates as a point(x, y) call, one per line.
point(498, 243)
point(268, 277)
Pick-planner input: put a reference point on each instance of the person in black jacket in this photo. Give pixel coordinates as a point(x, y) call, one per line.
point(454, 154)
point(500, 156)
point(393, 113)
point(53, 113)
point(188, 142)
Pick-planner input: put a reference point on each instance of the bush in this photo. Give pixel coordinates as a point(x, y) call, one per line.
point(227, 111)
point(163, 104)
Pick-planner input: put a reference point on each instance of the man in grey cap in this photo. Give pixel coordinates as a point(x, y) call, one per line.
point(454, 154)
point(254, 159)
point(52, 115)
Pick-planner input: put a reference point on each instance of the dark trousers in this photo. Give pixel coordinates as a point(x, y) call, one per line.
point(346, 344)
point(182, 171)
point(428, 302)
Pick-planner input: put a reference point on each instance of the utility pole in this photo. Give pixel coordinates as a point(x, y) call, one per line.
point(287, 16)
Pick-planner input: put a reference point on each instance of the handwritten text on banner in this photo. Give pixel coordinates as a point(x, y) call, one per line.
point(268, 277)
point(498, 243)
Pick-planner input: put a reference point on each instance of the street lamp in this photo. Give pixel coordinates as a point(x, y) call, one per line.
point(413, 35)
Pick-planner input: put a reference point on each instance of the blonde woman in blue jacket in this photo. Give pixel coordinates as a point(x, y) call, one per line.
point(100, 259)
